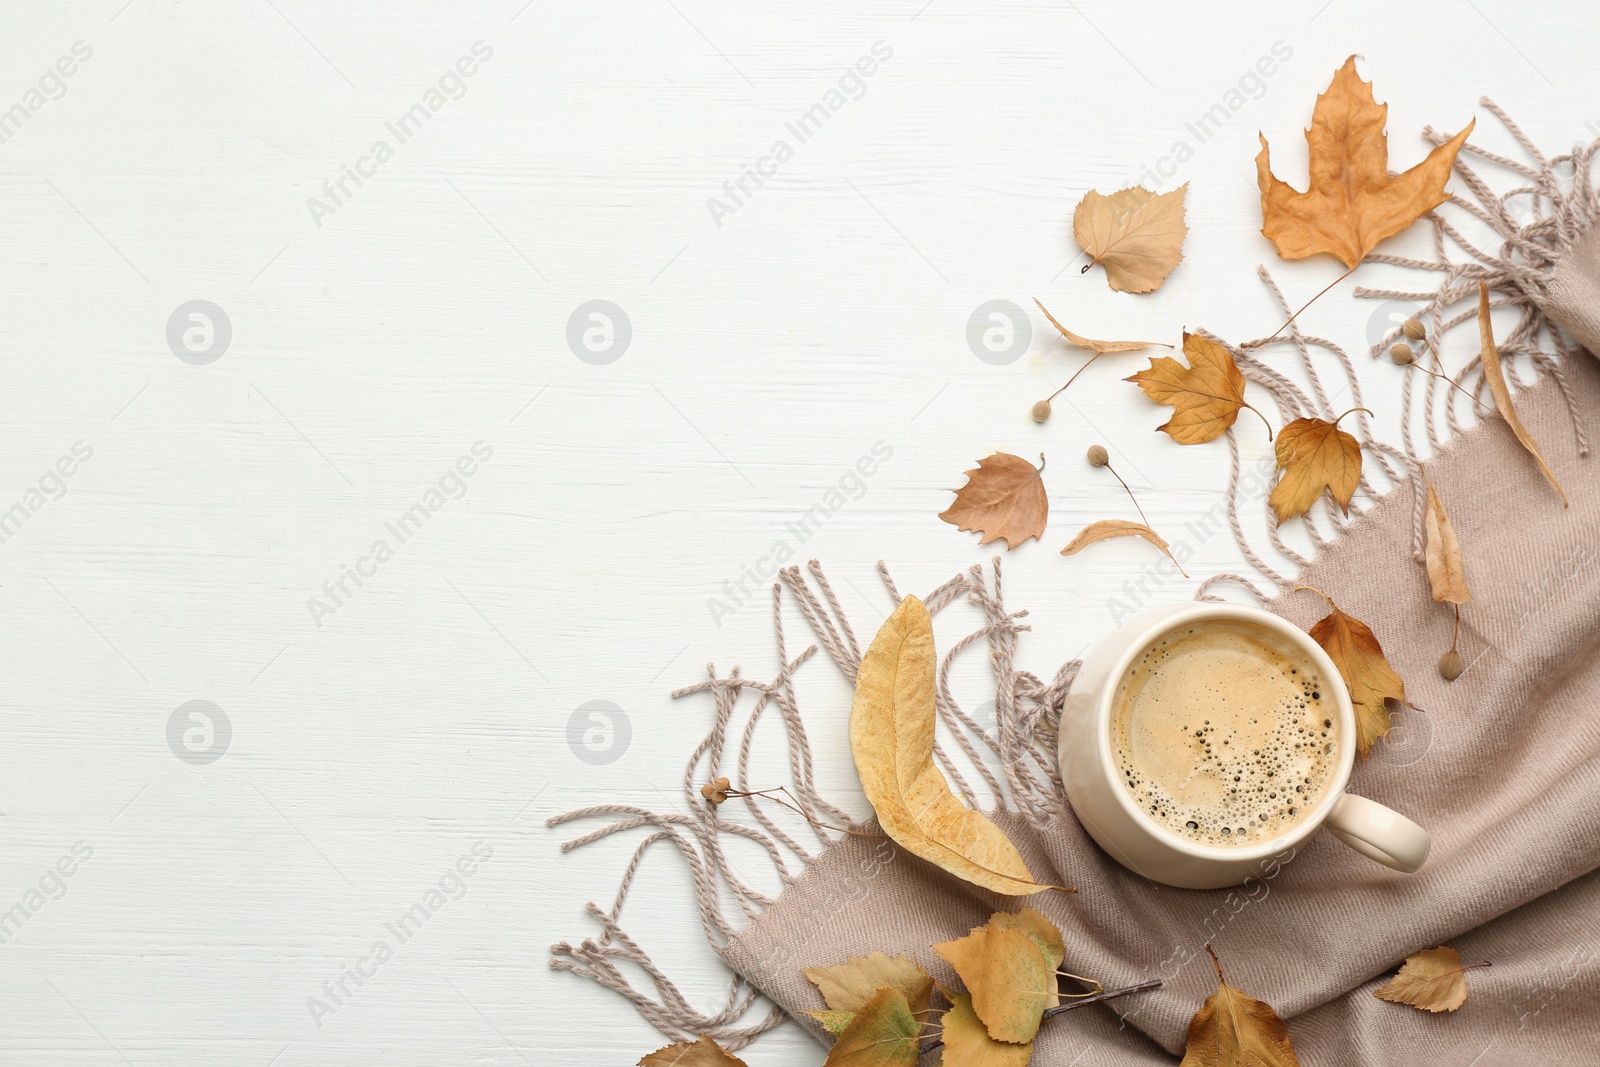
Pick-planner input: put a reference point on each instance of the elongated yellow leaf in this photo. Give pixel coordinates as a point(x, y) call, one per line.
point(1106, 529)
point(1099, 348)
point(1496, 378)
point(1446, 574)
point(891, 738)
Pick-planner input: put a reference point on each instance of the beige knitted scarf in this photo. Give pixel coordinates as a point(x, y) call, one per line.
point(1503, 766)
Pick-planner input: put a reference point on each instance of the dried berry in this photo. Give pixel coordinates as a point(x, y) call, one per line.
point(1041, 411)
point(1401, 354)
point(1413, 329)
point(1450, 666)
point(716, 792)
point(1098, 456)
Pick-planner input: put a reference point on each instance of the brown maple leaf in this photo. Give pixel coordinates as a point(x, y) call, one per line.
point(1351, 203)
point(1135, 234)
point(1235, 1028)
point(1314, 454)
point(1372, 683)
point(1004, 500)
point(1205, 396)
point(1434, 980)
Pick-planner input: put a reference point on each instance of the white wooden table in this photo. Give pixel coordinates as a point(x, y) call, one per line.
point(246, 345)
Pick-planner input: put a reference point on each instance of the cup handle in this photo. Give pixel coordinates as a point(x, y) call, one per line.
point(1379, 833)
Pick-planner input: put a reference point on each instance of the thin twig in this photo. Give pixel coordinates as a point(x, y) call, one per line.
point(1050, 1013)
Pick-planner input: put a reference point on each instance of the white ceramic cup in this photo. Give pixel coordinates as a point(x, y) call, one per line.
point(1138, 842)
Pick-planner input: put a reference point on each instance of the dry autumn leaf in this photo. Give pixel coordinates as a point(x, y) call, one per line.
point(1004, 500)
point(884, 1033)
point(1099, 348)
point(1106, 529)
point(1351, 203)
point(833, 1021)
point(1314, 454)
point(849, 985)
point(702, 1053)
point(1205, 396)
point(891, 739)
point(967, 1042)
point(1008, 977)
point(1434, 980)
point(1372, 683)
point(1037, 925)
point(1135, 234)
point(1496, 378)
point(1446, 573)
point(1234, 1028)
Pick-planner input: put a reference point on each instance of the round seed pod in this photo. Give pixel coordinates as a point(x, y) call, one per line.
point(1450, 665)
point(1041, 411)
point(1401, 354)
point(1098, 456)
point(1413, 329)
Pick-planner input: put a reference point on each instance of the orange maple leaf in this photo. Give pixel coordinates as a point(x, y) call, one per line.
point(1352, 203)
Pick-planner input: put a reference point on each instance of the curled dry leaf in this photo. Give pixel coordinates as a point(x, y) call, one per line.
point(1099, 348)
point(1433, 980)
point(1354, 649)
point(967, 1042)
point(1106, 529)
point(1234, 1028)
point(1314, 454)
point(1004, 500)
point(1351, 203)
point(1446, 574)
point(1205, 396)
point(702, 1053)
point(884, 1033)
point(1007, 975)
point(891, 739)
point(1496, 378)
point(1135, 234)
point(848, 986)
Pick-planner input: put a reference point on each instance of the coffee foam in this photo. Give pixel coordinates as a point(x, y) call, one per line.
point(1224, 733)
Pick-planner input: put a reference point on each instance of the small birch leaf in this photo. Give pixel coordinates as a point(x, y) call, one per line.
point(1135, 234)
point(1106, 529)
point(1446, 574)
point(884, 1033)
point(1354, 649)
point(967, 1042)
point(1314, 454)
point(1433, 980)
point(1234, 1029)
point(849, 985)
point(1205, 396)
point(1008, 977)
point(1496, 378)
point(702, 1053)
point(1037, 925)
point(1004, 500)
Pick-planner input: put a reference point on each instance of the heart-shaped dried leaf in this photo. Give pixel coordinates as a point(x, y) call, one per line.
point(967, 1042)
point(1496, 378)
point(884, 1033)
point(1354, 649)
point(1008, 977)
point(1106, 529)
point(702, 1053)
point(1099, 348)
point(891, 739)
point(1234, 1029)
point(1351, 203)
point(1135, 234)
point(849, 985)
point(1433, 980)
point(1004, 499)
point(1205, 396)
point(1446, 574)
point(1314, 454)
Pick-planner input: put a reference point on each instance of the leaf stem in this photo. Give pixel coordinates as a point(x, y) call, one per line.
point(1263, 419)
point(1131, 497)
point(1457, 632)
point(1271, 337)
point(1094, 998)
